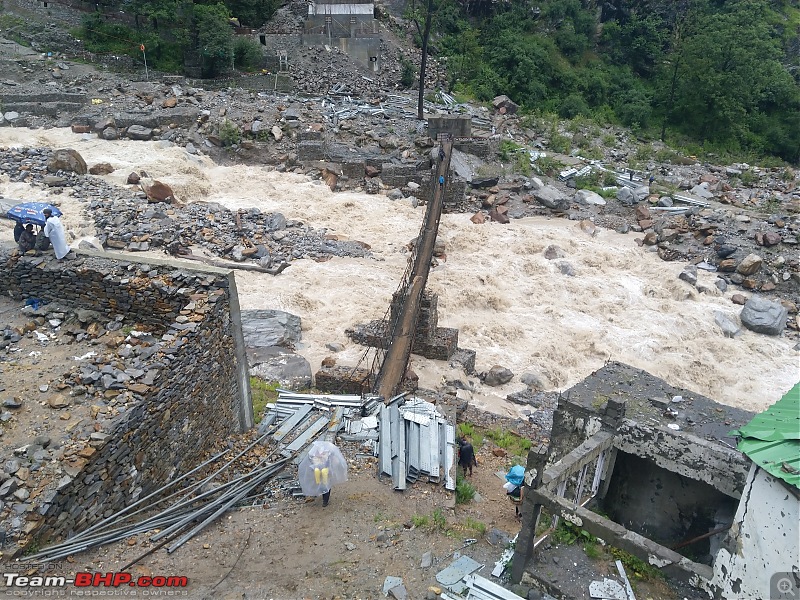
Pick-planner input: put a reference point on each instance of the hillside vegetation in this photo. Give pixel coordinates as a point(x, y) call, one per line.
point(710, 76)
point(717, 75)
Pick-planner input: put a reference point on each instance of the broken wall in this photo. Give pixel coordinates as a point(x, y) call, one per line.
point(762, 549)
point(719, 466)
point(185, 390)
point(666, 507)
point(366, 50)
point(455, 125)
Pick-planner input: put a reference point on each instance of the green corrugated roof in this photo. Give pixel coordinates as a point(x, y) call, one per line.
point(772, 438)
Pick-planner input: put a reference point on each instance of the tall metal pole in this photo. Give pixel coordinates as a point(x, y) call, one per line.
point(146, 75)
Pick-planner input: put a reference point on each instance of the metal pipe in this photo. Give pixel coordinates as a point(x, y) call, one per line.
point(164, 516)
point(155, 493)
point(219, 511)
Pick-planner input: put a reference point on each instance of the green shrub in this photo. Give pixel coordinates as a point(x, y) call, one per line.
point(609, 179)
point(465, 492)
point(559, 143)
point(229, 133)
point(247, 54)
point(568, 533)
point(547, 165)
point(408, 72)
point(508, 149)
point(420, 521)
point(748, 177)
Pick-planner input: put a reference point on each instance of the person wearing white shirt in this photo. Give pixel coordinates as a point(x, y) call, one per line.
point(54, 231)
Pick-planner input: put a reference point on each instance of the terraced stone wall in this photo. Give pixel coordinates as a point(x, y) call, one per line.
point(194, 393)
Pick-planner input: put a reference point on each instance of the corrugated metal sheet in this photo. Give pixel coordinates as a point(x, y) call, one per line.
point(415, 442)
point(772, 438)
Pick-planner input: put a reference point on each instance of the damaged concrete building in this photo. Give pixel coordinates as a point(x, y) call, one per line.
point(654, 471)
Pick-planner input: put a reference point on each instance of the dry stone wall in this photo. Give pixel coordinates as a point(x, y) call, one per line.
point(186, 387)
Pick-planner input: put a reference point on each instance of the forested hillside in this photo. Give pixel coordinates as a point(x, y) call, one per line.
point(714, 74)
point(709, 75)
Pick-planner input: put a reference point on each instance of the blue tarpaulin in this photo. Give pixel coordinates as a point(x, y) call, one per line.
point(516, 475)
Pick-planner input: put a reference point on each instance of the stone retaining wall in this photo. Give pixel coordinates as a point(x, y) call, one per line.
point(194, 395)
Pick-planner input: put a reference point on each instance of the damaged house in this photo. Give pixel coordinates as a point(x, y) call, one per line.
point(656, 472)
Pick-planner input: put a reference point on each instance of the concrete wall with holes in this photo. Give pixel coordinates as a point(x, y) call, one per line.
point(761, 553)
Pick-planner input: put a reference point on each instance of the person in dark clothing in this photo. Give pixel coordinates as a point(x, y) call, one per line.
point(18, 229)
point(27, 239)
point(466, 456)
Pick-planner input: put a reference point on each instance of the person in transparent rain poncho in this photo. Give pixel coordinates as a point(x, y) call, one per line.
point(323, 467)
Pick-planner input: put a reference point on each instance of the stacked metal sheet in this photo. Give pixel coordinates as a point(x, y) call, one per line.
point(303, 417)
point(416, 443)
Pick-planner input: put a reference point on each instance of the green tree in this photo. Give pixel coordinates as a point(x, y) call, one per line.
point(732, 62)
point(213, 38)
point(253, 13)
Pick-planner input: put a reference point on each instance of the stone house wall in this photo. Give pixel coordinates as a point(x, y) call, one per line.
point(195, 394)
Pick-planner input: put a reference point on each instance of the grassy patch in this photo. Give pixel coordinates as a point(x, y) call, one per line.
point(420, 521)
point(545, 522)
point(547, 165)
point(593, 550)
point(635, 567)
point(468, 430)
point(465, 492)
point(436, 522)
point(479, 527)
point(262, 392)
point(513, 443)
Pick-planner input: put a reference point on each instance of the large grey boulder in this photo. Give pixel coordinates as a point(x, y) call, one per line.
point(764, 316)
point(267, 327)
point(289, 370)
point(551, 197)
point(589, 197)
point(67, 159)
point(138, 132)
point(729, 328)
point(498, 375)
point(701, 191)
point(641, 192)
point(626, 196)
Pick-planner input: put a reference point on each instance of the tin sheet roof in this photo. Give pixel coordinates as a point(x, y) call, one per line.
point(772, 438)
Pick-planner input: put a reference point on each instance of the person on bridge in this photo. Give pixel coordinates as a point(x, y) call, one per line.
point(441, 181)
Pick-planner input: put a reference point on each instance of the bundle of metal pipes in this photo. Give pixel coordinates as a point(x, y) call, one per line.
point(193, 508)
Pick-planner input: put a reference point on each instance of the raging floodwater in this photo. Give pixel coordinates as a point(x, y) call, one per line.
point(512, 305)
